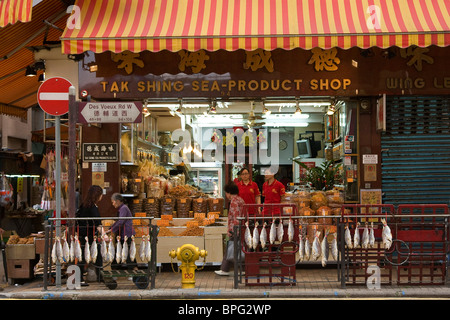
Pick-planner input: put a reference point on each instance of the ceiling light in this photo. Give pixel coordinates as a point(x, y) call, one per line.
point(265, 110)
point(30, 72)
point(298, 111)
point(212, 109)
point(331, 110)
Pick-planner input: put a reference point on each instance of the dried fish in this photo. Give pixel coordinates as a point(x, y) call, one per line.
point(365, 237)
point(125, 250)
point(72, 249)
point(132, 249)
point(255, 238)
point(315, 254)
point(142, 248)
point(148, 250)
point(111, 250)
point(273, 232)
point(248, 236)
point(59, 250)
point(263, 235)
point(66, 250)
point(290, 230)
point(371, 236)
point(386, 235)
point(307, 249)
point(77, 249)
point(54, 251)
point(118, 250)
point(356, 238)
point(280, 231)
point(94, 250)
point(324, 246)
point(301, 246)
point(87, 251)
point(348, 238)
point(334, 247)
point(104, 249)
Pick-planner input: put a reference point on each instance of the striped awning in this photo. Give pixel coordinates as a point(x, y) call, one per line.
point(154, 25)
point(12, 11)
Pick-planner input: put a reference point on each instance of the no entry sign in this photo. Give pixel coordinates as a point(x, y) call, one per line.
point(53, 96)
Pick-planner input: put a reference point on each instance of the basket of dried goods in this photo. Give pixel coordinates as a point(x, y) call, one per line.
point(151, 206)
point(200, 205)
point(318, 199)
point(167, 204)
point(215, 205)
point(183, 207)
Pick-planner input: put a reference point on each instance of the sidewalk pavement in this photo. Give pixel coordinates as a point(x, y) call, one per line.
point(311, 283)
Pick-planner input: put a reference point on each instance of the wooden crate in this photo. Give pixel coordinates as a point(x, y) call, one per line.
point(19, 268)
point(20, 251)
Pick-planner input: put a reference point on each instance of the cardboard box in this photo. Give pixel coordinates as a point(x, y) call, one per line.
point(19, 268)
point(20, 251)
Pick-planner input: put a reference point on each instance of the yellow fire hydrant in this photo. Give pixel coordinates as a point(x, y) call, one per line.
point(188, 254)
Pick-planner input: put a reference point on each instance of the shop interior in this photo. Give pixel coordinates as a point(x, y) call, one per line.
point(317, 131)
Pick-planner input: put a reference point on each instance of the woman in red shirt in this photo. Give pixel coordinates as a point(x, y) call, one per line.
point(236, 210)
point(273, 193)
point(248, 190)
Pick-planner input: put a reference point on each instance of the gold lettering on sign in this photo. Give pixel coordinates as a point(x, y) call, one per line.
point(324, 59)
point(258, 59)
point(418, 55)
point(128, 59)
point(194, 60)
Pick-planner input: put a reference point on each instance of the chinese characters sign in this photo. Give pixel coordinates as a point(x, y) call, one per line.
point(100, 152)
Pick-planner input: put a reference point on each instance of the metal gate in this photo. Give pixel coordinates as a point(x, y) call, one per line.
point(416, 150)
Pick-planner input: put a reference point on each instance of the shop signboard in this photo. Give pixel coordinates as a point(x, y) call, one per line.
point(110, 112)
point(100, 152)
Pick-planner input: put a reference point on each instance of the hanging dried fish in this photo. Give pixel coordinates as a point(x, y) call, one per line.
point(248, 236)
point(255, 238)
point(324, 246)
point(280, 231)
point(66, 249)
point(356, 238)
point(315, 253)
point(119, 250)
point(263, 236)
point(132, 249)
point(111, 250)
point(348, 238)
point(273, 232)
point(72, 249)
point(386, 235)
point(371, 236)
point(87, 250)
point(142, 248)
point(125, 250)
point(307, 248)
point(365, 237)
point(54, 251)
point(301, 246)
point(77, 249)
point(290, 230)
point(94, 250)
point(148, 250)
point(334, 247)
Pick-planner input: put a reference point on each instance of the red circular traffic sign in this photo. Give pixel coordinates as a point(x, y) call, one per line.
point(53, 96)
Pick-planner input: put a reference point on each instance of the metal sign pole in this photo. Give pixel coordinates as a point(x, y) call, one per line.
point(58, 192)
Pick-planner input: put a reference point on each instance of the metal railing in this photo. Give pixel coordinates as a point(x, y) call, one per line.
point(151, 266)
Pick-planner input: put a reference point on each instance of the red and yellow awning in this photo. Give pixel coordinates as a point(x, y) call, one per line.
point(154, 25)
point(12, 11)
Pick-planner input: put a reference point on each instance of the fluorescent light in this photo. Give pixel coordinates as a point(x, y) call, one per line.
point(284, 116)
point(293, 104)
point(285, 124)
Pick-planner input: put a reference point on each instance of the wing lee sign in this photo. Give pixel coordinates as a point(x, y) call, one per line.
point(110, 112)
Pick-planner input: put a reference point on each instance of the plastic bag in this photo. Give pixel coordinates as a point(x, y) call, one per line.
point(6, 191)
point(230, 252)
